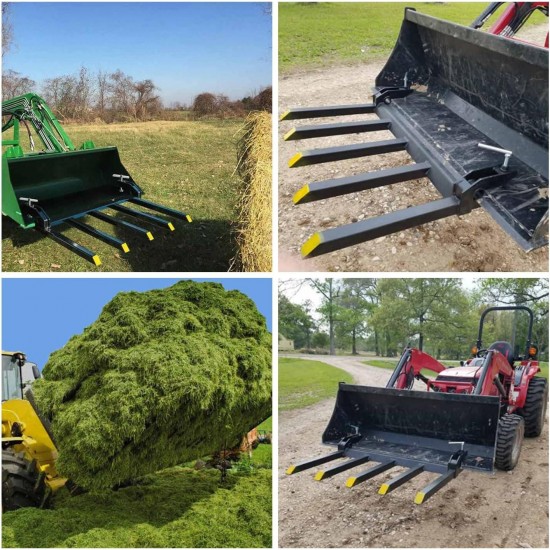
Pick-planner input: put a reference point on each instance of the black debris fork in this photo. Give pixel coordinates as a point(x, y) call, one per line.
point(478, 144)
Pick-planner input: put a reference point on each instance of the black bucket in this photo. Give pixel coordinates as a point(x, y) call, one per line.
point(416, 426)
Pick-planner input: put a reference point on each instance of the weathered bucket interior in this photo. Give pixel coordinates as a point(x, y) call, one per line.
point(70, 184)
point(472, 87)
point(416, 427)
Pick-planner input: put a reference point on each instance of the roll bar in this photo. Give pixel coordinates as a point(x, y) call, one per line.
point(507, 308)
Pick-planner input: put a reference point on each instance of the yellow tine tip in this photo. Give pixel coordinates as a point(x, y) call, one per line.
point(300, 194)
point(319, 475)
point(171, 227)
point(150, 236)
point(289, 133)
point(294, 159)
point(383, 489)
point(290, 470)
point(125, 247)
point(351, 481)
point(188, 218)
point(311, 244)
point(284, 115)
point(419, 498)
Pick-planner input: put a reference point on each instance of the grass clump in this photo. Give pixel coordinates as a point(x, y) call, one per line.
point(255, 228)
point(160, 378)
point(176, 508)
point(303, 382)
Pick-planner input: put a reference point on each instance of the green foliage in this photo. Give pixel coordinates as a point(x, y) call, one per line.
point(177, 508)
point(303, 382)
point(295, 322)
point(322, 33)
point(160, 378)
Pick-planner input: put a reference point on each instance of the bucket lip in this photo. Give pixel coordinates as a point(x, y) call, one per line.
point(55, 154)
point(426, 395)
point(529, 53)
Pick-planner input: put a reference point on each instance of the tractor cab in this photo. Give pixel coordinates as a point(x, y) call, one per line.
point(17, 375)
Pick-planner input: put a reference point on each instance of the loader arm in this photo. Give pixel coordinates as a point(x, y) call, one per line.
point(409, 366)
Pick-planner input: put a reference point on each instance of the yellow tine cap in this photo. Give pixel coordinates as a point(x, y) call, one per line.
point(311, 244)
point(290, 470)
point(289, 133)
point(188, 218)
point(351, 481)
point(96, 260)
point(171, 227)
point(319, 475)
point(294, 159)
point(284, 115)
point(419, 498)
point(150, 236)
point(125, 247)
point(383, 489)
point(300, 194)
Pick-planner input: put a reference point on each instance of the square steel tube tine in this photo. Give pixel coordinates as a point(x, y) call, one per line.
point(433, 487)
point(351, 463)
point(366, 230)
point(294, 469)
point(339, 129)
point(143, 216)
point(79, 249)
point(121, 223)
point(371, 472)
point(162, 209)
point(98, 234)
point(343, 152)
point(361, 182)
point(333, 110)
point(399, 480)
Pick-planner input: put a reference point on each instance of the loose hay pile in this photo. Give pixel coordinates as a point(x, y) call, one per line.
point(255, 207)
point(160, 378)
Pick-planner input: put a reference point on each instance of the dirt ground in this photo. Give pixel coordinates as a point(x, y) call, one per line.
point(503, 510)
point(473, 242)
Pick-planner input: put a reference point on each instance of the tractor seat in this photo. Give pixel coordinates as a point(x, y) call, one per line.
point(506, 349)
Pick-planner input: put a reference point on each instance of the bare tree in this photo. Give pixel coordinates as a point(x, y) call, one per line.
point(205, 104)
point(14, 84)
point(146, 103)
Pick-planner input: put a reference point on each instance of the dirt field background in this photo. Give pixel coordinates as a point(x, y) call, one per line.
point(469, 243)
point(505, 509)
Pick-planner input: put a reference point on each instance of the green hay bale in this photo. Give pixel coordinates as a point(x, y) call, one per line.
point(160, 378)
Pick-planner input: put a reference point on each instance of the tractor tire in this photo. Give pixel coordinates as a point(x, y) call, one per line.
point(22, 484)
point(534, 410)
point(511, 429)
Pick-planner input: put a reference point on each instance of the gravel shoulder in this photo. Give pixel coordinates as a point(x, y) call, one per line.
point(504, 509)
point(473, 242)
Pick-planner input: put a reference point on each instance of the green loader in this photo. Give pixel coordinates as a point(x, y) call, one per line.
point(60, 185)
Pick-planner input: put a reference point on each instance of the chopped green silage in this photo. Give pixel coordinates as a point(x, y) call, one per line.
point(178, 508)
point(160, 378)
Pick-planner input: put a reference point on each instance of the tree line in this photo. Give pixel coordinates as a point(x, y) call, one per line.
point(118, 97)
point(382, 316)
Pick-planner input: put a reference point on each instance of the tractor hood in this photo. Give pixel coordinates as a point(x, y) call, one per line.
point(460, 372)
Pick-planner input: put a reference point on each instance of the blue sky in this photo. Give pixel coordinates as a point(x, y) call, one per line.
point(185, 48)
point(40, 315)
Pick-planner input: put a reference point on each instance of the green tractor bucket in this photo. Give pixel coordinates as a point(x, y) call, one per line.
point(417, 430)
point(62, 185)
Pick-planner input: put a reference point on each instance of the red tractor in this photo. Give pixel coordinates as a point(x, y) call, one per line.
point(473, 416)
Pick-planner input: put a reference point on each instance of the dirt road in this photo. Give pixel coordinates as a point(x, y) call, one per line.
point(505, 509)
point(468, 243)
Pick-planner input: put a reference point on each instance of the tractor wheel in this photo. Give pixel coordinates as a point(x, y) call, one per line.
point(534, 409)
point(511, 428)
point(22, 484)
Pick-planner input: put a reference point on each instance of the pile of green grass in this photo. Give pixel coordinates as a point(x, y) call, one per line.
point(303, 382)
point(160, 378)
point(176, 508)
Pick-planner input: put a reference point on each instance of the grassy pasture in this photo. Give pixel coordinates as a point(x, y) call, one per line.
point(325, 33)
point(303, 382)
point(186, 165)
